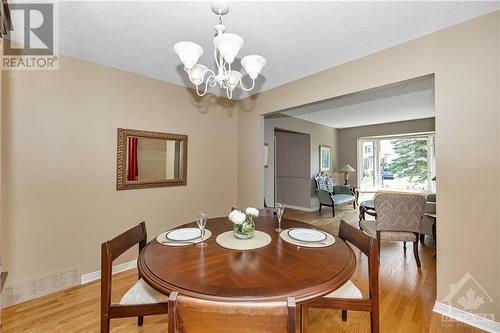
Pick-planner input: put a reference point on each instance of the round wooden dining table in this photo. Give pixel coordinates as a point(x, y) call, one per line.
point(274, 272)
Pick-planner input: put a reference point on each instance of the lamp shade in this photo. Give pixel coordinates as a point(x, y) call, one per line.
point(346, 168)
point(234, 79)
point(197, 73)
point(188, 52)
point(253, 65)
point(228, 45)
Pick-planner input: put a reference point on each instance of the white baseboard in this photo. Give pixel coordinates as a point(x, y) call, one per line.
point(466, 317)
point(52, 282)
point(302, 208)
point(40, 285)
point(90, 277)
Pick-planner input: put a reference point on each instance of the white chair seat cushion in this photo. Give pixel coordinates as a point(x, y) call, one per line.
point(142, 293)
point(348, 290)
point(370, 228)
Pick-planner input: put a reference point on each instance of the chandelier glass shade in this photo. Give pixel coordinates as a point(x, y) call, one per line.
point(189, 53)
point(226, 49)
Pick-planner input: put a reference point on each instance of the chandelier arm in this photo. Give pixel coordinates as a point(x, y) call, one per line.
point(213, 78)
point(212, 74)
point(222, 63)
point(207, 82)
point(215, 56)
point(203, 93)
point(225, 71)
point(247, 89)
point(208, 71)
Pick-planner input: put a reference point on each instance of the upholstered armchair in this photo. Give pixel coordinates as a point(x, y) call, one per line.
point(399, 219)
point(332, 195)
point(427, 222)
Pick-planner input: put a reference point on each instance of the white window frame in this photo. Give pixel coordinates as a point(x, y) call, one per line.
point(431, 157)
point(360, 165)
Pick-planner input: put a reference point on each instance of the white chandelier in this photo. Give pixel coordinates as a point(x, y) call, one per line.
point(226, 48)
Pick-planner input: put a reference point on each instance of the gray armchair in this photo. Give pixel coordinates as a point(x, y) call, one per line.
point(333, 195)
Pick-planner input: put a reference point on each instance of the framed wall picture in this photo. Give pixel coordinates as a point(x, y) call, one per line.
point(325, 158)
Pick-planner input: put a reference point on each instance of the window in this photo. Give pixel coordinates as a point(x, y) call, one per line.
point(397, 162)
point(367, 163)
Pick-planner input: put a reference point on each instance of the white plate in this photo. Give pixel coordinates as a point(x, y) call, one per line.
point(307, 235)
point(184, 234)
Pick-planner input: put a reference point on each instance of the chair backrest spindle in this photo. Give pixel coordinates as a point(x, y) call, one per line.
point(369, 247)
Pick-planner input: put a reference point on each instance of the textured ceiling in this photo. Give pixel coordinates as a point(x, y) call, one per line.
point(409, 100)
point(296, 38)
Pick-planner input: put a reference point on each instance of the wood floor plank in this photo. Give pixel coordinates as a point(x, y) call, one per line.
point(407, 297)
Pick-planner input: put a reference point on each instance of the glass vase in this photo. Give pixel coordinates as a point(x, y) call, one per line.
point(244, 230)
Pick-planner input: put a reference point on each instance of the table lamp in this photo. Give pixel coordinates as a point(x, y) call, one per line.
point(346, 168)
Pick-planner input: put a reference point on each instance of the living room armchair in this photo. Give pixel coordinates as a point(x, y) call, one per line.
point(333, 195)
point(427, 222)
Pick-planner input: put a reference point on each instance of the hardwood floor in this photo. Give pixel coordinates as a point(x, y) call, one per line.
point(407, 296)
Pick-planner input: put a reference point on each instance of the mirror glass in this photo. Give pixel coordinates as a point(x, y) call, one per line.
point(148, 159)
point(151, 159)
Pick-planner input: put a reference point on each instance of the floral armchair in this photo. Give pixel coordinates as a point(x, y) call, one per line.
point(332, 195)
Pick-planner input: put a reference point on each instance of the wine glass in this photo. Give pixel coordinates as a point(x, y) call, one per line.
point(201, 221)
point(280, 209)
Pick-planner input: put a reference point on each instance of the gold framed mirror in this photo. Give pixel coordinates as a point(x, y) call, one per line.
point(148, 159)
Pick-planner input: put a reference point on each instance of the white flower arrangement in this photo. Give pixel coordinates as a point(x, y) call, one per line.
point(243, 223)
point(237, 217)
point(252, 211)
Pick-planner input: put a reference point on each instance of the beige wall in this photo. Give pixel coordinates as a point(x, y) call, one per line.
point(59, 151)
point(320, 135)
point(465, 61)
point(348, 138)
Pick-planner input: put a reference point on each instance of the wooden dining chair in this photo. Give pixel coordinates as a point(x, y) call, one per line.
point(348, 296)
point(193, 315)
point(141, 299)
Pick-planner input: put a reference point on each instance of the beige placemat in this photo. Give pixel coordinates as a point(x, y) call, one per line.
point(229, 241)
point(330, 240)
point(162, 239)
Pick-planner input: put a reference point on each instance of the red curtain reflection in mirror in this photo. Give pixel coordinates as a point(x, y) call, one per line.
point(133, 172)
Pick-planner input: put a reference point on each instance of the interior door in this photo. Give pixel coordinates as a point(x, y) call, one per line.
point(293, 168)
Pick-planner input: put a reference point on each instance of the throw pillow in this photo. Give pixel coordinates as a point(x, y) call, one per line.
point(322, 183)
point(329, 184)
